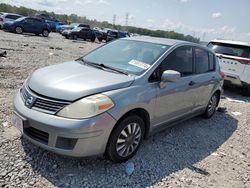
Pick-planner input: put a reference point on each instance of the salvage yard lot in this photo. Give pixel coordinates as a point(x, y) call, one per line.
point(195, 153)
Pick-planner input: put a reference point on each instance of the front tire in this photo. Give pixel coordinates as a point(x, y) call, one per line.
point(19, 30)
point(212, 105)
point(125, 139)
point(45, 33)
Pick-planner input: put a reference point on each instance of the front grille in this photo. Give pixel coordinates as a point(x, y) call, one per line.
point(41, 103)
point(37, 135)
point(48, 106)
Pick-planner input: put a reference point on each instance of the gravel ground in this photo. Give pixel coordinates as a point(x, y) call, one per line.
point(195, 153)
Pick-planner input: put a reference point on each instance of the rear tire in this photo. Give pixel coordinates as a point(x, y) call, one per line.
point(212, 105)
point(246, 91)
point(93, 39)
point(45, 33)
point(19, 30)
point(125, 139)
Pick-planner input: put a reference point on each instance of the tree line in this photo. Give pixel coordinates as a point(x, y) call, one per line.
point(72, 18)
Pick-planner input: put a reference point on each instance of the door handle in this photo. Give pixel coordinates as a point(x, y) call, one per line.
point(192, 83)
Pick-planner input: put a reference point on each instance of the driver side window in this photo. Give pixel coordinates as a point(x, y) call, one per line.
point(181, 60)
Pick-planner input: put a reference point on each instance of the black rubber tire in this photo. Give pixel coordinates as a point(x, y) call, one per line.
point(111, 152)
point(246, 91)
point(93, 39)
point(45, 33)
point(19, 30)
point(100, 40)
point(208, 114)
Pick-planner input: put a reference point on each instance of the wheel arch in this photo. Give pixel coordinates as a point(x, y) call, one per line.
point(142, 113)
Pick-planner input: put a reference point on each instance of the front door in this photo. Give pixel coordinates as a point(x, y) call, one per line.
point(176, 100)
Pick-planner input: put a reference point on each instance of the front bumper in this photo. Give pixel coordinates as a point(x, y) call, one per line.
point(71, 137)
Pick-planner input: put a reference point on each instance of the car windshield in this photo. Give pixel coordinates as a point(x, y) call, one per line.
point(20, 19)
point(133, 57)
point(73, 24)
point(230, 49)
point(77, 29)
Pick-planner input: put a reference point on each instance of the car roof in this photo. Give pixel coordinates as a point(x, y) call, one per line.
point(159, 40)
point(5, 14)
point(230, 42)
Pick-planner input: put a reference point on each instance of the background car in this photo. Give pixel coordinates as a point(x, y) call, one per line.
point(8, 17)
point(234, 59)
point(50, 20)
point(114, 34)
point(61, 28)
point(80, 32)
point(28, 25)
point(102, 34)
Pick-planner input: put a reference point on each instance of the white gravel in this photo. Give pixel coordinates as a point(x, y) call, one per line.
point(195, 153)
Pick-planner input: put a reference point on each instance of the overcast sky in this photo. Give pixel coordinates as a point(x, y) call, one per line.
point(206, 19)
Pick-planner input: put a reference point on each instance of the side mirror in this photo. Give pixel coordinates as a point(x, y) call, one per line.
point(169, 76)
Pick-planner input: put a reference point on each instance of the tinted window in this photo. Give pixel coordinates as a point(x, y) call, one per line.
point(201, 60)
point(180, 60)
point(13, 17)
point(29, 20)
point(211, 62)
point(230, 49)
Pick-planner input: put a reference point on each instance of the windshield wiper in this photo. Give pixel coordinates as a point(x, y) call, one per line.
point(103, 67)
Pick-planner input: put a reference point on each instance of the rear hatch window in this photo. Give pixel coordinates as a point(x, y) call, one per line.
point(230, 49)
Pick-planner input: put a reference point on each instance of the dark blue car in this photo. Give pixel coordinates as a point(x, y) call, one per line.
point(28, 25)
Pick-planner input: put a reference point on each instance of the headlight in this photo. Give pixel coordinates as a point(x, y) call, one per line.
point(87, 107)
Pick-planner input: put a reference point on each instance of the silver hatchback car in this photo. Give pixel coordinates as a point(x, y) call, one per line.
point(108, 101)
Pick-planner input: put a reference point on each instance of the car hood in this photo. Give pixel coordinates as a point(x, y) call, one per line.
point(72, 80)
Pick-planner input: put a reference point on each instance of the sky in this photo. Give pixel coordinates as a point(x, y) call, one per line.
point(205, 19)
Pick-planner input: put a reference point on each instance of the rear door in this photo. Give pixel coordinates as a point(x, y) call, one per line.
point(177, 99)
point(83, 33)
point(205, 76)
point(231, 57)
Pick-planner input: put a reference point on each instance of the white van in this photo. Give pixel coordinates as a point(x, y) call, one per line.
point(234, 60)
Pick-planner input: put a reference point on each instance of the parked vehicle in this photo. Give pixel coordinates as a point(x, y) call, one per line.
point(114, 34)
point(80, 32)
point(8, 17)
point(28, 25)
point(234, 59)
point(102, 34)
point(109, 100)
point(50, 20)
point(61, 28)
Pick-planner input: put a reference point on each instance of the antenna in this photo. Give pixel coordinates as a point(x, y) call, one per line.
point(126, 19)
point(114, 19)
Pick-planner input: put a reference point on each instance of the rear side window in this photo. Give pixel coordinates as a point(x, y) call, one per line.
point(201, 61)
point(230, 49)
point(13, 17)
point(181, 60)
point(211, 62)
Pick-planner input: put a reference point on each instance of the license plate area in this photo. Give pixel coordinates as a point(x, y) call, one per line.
point(17, 121)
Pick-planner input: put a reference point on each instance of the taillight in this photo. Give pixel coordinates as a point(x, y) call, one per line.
point(243, 61)
point(222, 74)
